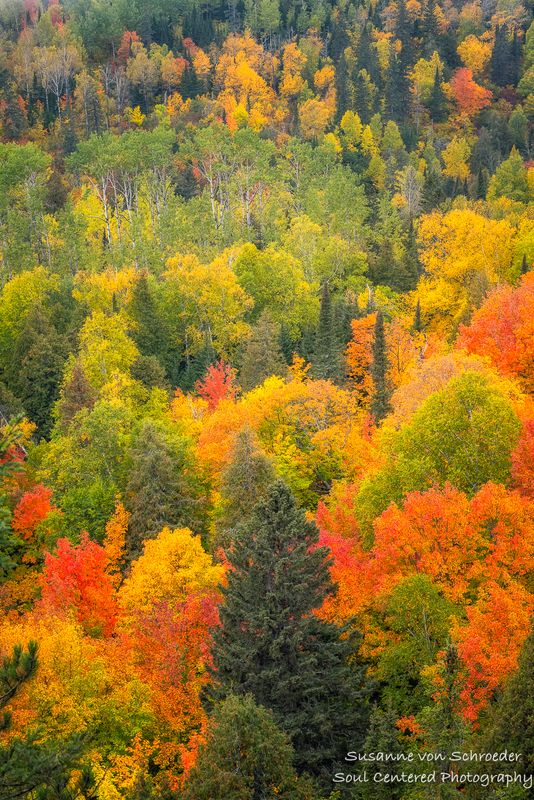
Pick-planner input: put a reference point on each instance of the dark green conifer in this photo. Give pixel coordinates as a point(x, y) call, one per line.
point(149, 331)
point(262, 355)
point(271, 645)
point(244, 481)
point(162, 490)
point(326, 355)
point(437, 104)
point(383, 737)
point(245, 756)
point(380, 403)
point(513, 720)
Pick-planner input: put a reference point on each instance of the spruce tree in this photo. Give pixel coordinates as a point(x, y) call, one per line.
point(38, 359)
point(161, 490)
point(262, 356)
point(326, 362)
point(437, 104)
point(380, 403)
point(524, 265)
point(513, 720)
point(397, 89)
point(430, 29)
point(270, 643)
point(417, 324)
point(383, 737)
point(149, 333)
point(244, 481)
point(499, 56)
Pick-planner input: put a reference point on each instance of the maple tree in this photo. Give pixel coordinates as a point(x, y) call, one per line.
point(75, 578)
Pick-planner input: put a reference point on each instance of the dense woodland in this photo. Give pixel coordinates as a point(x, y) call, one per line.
point(266, 386)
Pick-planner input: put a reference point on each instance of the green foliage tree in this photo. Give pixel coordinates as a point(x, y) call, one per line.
point(246, 756)
point(463, 434)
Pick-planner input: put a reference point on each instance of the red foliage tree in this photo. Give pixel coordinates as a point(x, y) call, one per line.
point(217, 384)
point(76, 579)
point(523, 460)
point(468, 95)
point(503, 330)
point(125, 48)
point(33, 507)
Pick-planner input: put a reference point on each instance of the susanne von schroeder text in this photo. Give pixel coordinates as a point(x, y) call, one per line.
point(469, 755)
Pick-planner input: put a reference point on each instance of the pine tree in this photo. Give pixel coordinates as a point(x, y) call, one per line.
point(514, 60)
point(366, 55)
point(380, 403)
point(482, 184)
point(397, 89)
point(9, 437)
point(262, 356)
point(326, 361)
point(270, 643)
point(15, 670)
point(524, 265)
point(446, 729)
point(244, 481)
point(161, 490)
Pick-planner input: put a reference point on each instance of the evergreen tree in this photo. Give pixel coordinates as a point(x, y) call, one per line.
point(366, 55)
point(244, 481)
point(403, 32)
point(397, 89)
point(482, 184)
point(446, 730)
point(162, 490)
point(499, 56)
point(383, 737)
point(38, 360)
point(76, 394)
point(9, 437)
point(513, 720)
point(270, 643)
point(524, 265)
point(430, 29)
point(437, 104)
point(417, 323)
point(149, 333)
point(326, 361)
point(347, 309)
point(245, 756)
point(380, 403)
point(514, 59)
point(15, 670)
point(262, 356)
